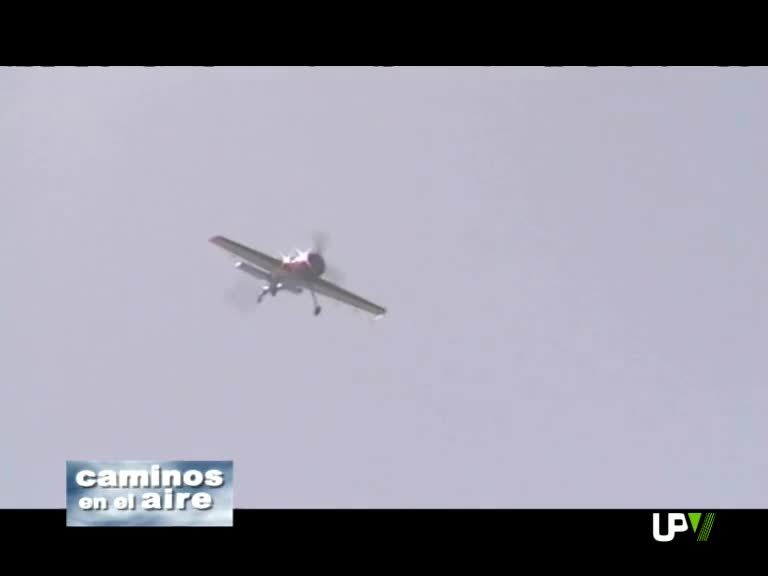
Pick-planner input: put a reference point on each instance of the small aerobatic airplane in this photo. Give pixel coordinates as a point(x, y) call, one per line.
point(302, 270)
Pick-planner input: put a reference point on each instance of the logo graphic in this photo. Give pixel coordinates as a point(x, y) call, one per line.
point(677, 522)
point(141, 493)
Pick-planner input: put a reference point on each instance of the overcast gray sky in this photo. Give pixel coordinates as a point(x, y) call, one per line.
point(573, 260)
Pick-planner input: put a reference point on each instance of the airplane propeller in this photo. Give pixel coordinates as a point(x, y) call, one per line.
point(319, 243)
point(319, 246)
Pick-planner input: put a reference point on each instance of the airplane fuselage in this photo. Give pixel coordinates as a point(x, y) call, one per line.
point(293, 271)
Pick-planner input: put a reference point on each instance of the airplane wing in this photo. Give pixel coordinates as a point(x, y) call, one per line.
point(249, 254)
point(332, 291)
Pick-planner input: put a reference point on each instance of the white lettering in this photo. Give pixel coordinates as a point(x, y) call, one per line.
point(675, 523)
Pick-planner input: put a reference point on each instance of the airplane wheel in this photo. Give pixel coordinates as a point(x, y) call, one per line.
point(317, 310)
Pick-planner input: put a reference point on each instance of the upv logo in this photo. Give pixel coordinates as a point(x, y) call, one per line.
point(677, 522)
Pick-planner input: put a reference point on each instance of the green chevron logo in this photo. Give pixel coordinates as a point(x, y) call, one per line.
point(706, 527)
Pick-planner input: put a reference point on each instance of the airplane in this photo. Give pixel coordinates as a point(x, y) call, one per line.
point(293, 273)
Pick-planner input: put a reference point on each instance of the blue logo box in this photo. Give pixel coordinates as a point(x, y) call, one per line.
point(149, 493)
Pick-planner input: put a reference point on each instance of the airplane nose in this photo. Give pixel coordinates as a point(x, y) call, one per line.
point(317, 263)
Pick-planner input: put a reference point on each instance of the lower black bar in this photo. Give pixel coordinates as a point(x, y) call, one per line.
point(459, 527)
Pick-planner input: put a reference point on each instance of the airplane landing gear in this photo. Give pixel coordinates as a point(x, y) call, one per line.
point(314, 301)
point(264, 291)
